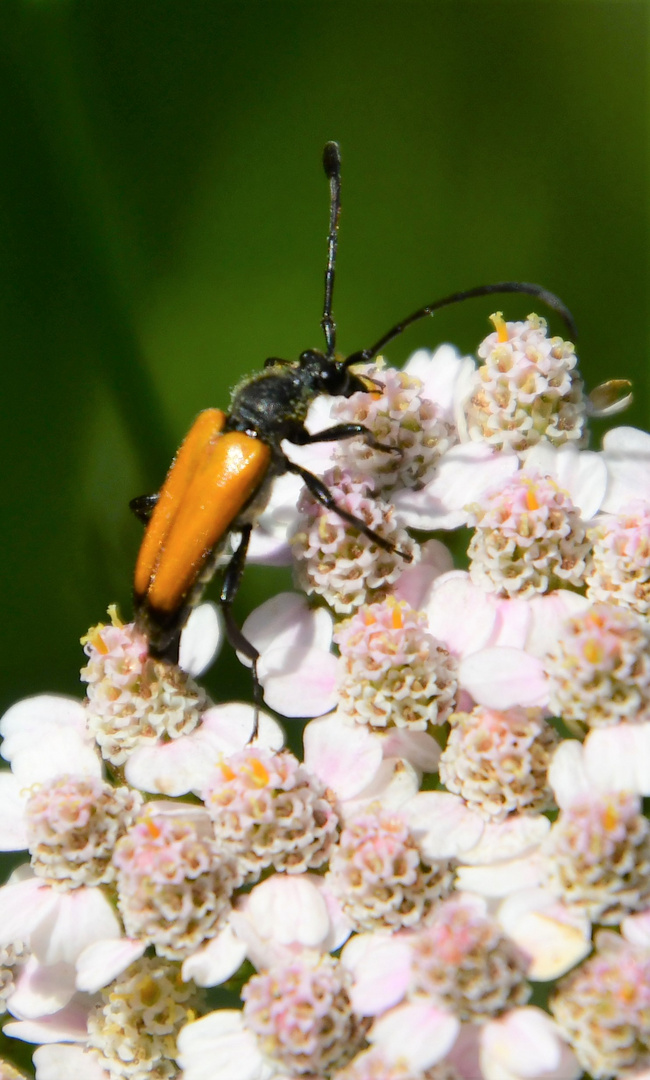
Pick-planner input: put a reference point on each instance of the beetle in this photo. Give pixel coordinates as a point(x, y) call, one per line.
point(220, 478)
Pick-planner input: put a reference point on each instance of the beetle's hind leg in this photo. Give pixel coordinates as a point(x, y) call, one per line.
point(231, 582)
point(324, 496)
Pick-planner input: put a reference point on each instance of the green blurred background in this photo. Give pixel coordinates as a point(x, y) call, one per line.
point(163, 217)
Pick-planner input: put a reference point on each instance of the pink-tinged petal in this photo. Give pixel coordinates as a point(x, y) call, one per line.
point(104, 960)
point(394, 784)
point(287, 621)
point(418, 1033)
point(525, 1043)
point(626, 451)
point(517, 835)
point(618, 758)
point(417, 747)
point(23, 904)
point(512, 623)
point(228, 728)
point(548, 615)
point(64, 1062)
point(279, 519)
point(443, 824)
point(32, 716)
point(219, 1045)
point(461, 615)
point(567, 773)
point(636, 929)
point(555, 936)
point(216, 961)
point(299, 681)
point(414, 583)
point(201, 639)
point(464, 475)
point(79, 918)
point(66, 1025)
point(382, 973)
point(581, 473)
point(503, 678)
point(13, 831)
point(172, 768)
point(440, 372)
point(501, 879)
point(346, 757)
point(42, 990)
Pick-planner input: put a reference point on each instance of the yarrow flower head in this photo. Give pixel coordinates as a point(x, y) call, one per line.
point(392, 671)
point(527, 389)
point(619, 570)
point(497, 761)
point(599, 669)
point(529, 539)
point(334, 560)
point(133, 698)
point(269, 810)
point(400, 417)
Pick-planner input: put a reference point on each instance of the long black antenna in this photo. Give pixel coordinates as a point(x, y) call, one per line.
point(548, 298)
point(332, 167)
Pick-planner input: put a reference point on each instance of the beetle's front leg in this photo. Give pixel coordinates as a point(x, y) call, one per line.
point(342, 431)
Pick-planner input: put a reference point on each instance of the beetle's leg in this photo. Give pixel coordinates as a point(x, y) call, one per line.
point(143, 506)
point(231, 582)
point(323, 495)
point(344, 431)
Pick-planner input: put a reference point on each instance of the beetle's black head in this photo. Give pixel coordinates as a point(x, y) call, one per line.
point(329, 376)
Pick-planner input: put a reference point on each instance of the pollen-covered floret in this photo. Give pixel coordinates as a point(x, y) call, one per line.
point(134, 699)
point(334, 560)
point(380, 876)
point(392, 672)
point(598, 856)
point(12, 959)
point(599, 669)
point(497, 761)
point(527, 389)
point(303, 1017)
point(603, 1009)
point(73, 824)
point(174, 879)
point(133, 1028)
point(529, 538)
point(619, 570)
point(463, 959)
point(398, 416)
point(268, 810)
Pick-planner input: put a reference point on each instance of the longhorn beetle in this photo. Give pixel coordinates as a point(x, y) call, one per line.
point(220, 478)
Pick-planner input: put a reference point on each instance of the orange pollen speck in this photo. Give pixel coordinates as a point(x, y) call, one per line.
point(258, 772)
point(500, 326)
point(369, 618)
point(94, 638)
point(610, 818)
point(531, 500)
point(152, 829)
point(226, 771)
point(398, 623)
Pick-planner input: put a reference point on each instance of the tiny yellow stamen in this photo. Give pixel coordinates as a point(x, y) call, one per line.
point(593, 652)
point(369, 618)
point(114, 616)
point(94, 638)
point(152, 829)
point(226, 771)
point(531, 499)
point(610, 818)
point(398, 622)
point(500, 326)
point(149, 991)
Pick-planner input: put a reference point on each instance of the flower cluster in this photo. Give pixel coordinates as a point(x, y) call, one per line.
point(383, 908)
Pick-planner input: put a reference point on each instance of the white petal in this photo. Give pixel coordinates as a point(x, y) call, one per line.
point(581, 473)
point(394, 784)
point(201, 639)
point(567, 773)
point(66, 1025)
point(219, 1045)
point(345, 756)
point(518, 834)
point(299, 681)
point(415, 581)
point(503, 678)
point(13, 831)
point(287, 621)
point(23, 904)
point(554, 936)
point(525, 1043)
point(418, 1033)
point(104, 960)
point(46, 736)
point(417, 747)
point(626, 451)
point(216, 961)
point(63, 1062)
point(289, 909)
point(548, 615)
point(500, 879)
point(636, 929)
point(78, 918)
point(42, 990)
point(461, 615)
point(618, 758)
point(443, 824)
